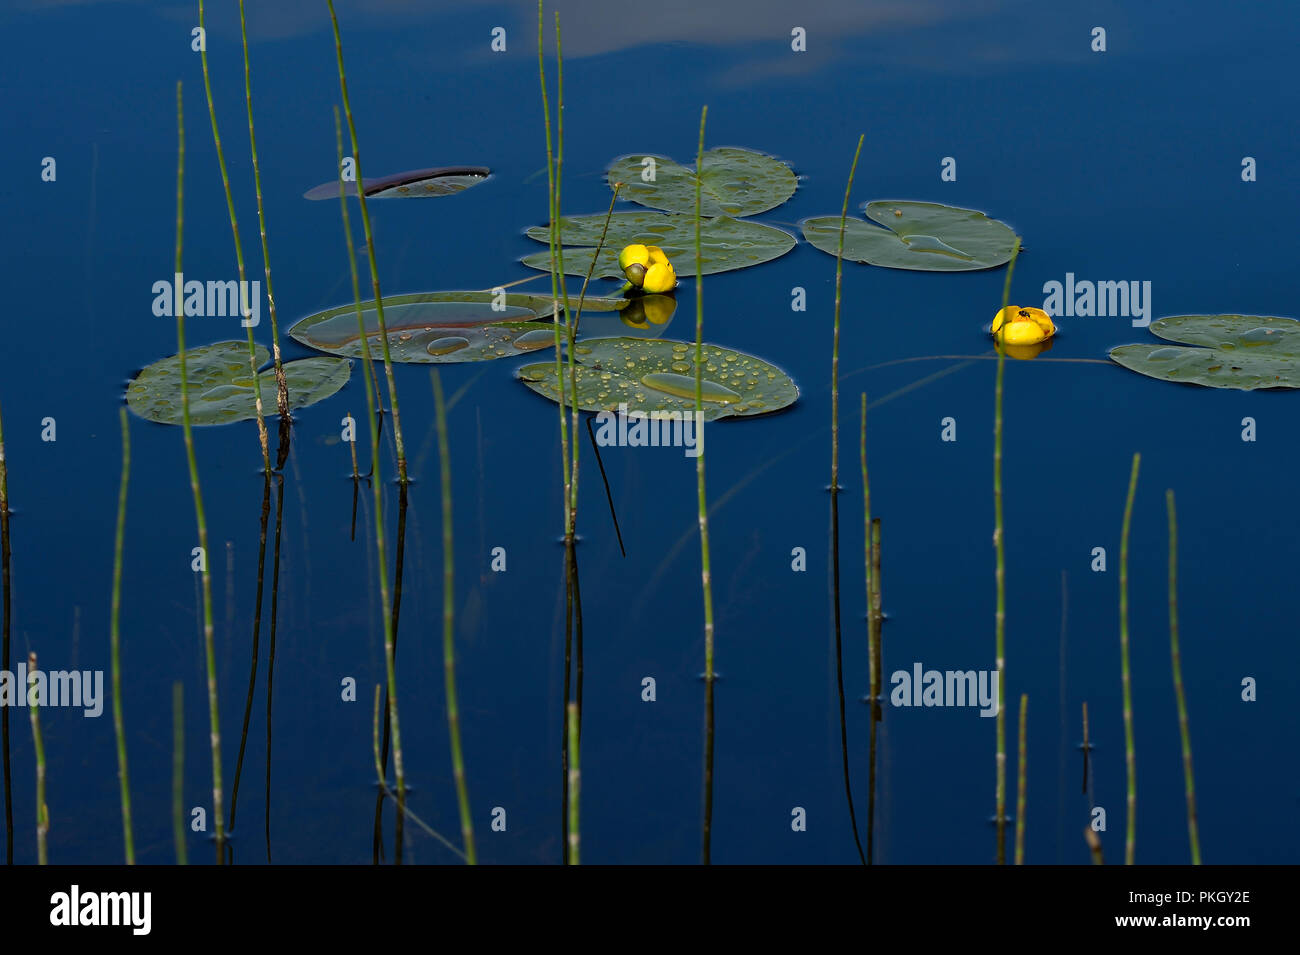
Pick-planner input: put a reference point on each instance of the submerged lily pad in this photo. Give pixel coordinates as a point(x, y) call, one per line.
point(733, 182)
point(220, 384)
point(659, 375)
point(725, 243)
point(442, 327)
point(1244, 352)
point(924, 236)
point(412, 184)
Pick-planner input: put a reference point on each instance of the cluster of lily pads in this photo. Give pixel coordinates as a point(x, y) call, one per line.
point(619, 357)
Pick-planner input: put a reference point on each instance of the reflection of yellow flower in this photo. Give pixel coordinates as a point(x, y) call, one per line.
point(1014, 325)
point(648, 268)
point(646, 310)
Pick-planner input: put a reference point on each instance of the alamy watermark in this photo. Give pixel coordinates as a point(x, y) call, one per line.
point(654, 429)
point(83, 688)
point(214, 299)
point(921, 687)
point(1086, 298)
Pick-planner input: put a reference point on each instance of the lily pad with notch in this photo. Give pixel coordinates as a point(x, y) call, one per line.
point(651, 375)
point(442, 327)
point(1242, 352)
point(923, 236)
point(220, 384)
point(733, 182)
point(412, 184)
point(725, 243)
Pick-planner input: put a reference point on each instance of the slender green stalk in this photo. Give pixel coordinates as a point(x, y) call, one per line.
point(448, 625)
point(38, 743)
point(873, 648)
point(706, 574)
point(1021, 781)
point(570, 319)
point(370, 251)
point(556, 279)
point(866, 523)
point(282, 386)
point(575, 781)
point(376, 483)
point(1176, 656)
point(239, 251)
point(178, 772)
point(209, 647)
point(1130, 755)
point(383, 784)
point(1000, 798)
point(835, 344)
point(119, 724)
point(582, 293)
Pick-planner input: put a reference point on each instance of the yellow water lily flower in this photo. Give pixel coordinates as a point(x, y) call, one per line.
point(1015, 325)
point(647, 268)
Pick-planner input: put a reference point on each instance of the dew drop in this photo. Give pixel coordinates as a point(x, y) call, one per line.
point(684, 387)
point(445, 346)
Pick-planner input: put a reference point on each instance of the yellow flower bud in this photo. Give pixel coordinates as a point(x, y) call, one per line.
point(660, 277)
point(1015, 325)
point(633, 254)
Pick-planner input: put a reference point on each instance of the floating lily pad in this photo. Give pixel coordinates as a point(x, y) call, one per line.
point(412, 184)
point(442, 327)
point(725, 243)
point(924, 236)
point(734, 182)
point(1244, 352)
point(659, 375)
point(220, 381)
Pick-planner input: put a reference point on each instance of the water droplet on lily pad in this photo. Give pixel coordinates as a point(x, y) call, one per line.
point(684, 387)
point(445, 346)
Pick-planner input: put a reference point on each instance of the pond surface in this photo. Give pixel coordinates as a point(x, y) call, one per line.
point(1117, 166)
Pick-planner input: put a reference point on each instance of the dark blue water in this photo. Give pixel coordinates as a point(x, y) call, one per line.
point(1122, 165)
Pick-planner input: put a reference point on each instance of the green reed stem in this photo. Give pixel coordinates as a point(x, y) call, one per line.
point(706, 573)
point(178, 772)
point(1021, 781)
point(383, 784)
point(38, 743)
point(582, 293)
point(449, 624)
point(835, 342)
point(1130, 755)
point(209, 647)
point(1176, 656)
point(1001, 577)
point(376, 484)
point(575, 782)
point(114, 636)
point(370, 251)
point(1094, 845)
point(570, 320)
point(281, 384)
point(556, 279)
point(239, 249)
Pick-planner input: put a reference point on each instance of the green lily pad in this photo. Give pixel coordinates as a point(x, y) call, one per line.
point(659, 375)
point(1244, 352)
point(413, 184)
point(725, 243)
point(220, 381)
point(924, 236)
point(442, 327)
point(734, 182)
